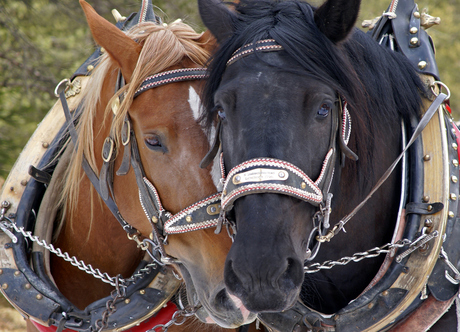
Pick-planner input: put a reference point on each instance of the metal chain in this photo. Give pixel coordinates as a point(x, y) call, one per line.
point(374, 252)
point(6, 223)
point(119, 293)
point(178, 318)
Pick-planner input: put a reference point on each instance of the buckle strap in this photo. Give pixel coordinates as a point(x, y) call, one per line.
point(89, 171)
point(201, 215)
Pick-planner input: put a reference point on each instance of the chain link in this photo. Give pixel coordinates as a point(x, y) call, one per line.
point(117, 294)
point(104, 277)
point(178, 318)
point(374, 252)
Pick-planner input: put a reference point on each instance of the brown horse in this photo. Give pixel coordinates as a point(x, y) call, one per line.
point(171, 144)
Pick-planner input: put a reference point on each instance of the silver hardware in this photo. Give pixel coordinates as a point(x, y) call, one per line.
point(418, 243)
point(104, 277)
point(374, 252)
point(456, 279)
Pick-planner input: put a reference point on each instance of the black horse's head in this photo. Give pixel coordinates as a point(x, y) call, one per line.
point(279, 85)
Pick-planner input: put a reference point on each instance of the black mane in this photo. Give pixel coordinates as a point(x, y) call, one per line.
point(377, 83)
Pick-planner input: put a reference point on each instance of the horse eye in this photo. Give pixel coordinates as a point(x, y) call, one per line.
point(221, 114)
point(153, 142)
point(324, 110)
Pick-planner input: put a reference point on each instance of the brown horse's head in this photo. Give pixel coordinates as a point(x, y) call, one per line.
point(171, 144)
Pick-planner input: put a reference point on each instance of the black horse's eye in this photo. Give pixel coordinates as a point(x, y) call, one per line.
point(324, 110)
point(221, 114)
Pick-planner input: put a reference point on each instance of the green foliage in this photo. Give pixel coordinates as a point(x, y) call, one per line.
point(44, 41)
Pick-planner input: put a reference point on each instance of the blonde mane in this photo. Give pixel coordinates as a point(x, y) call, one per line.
point(163, 46)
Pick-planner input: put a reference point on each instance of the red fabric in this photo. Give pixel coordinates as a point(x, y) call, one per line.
point(161, 317)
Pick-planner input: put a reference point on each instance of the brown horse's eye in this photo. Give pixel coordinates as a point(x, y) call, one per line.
point(153, 142)
point(324, 110)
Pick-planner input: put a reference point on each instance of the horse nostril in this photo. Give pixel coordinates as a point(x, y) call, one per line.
point(232, 281)
point(292, 275)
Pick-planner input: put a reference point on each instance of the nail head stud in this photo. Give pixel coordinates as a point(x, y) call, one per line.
point(422, 65)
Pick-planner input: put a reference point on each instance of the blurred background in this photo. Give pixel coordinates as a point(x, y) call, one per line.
point(44, 41)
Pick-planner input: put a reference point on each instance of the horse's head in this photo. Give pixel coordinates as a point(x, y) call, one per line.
point(162, 126)
point(278, 85)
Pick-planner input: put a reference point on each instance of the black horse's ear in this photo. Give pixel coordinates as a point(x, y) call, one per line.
point(217, 18)
point(336, 18)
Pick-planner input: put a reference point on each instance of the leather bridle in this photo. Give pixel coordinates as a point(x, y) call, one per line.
point(269, 175)
point(200, 215)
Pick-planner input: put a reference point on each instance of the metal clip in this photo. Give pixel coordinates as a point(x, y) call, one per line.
point(3, 227)
point(421, 241)
point(454, 280)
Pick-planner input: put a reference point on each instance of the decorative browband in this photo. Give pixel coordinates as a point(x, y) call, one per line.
point(266, 45)
point(171, 76)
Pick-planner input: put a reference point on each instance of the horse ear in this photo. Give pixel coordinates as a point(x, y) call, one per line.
point(120, 47)
point(336, 18)
point(217, 18)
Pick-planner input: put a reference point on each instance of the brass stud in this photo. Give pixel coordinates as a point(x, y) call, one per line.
point(127, 301)
point(90, 67)
point(430, 208)
point(151, 236)
point(102, 50)
point(188, 218)
point(39, 296)
point(422, 65)
point(303, 185)
point(453, 197)
point(27, 286)
point(454, 179)
point(451, 214)
point(17, 273)
point(370, 305)
point(426, 157)
point(11, 188)
point(414, 41)
point(24, 183)
point(413, 30)
point(142, 291)
point(417, 14)
point(454, 146)
point(5, 286)
point(455, 162)
point(154, 219)
point(45, 145)
point(385, 293)
point(426, 198)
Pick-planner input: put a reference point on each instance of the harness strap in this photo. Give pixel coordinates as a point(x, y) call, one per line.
point(89, 171)
point(418, 130)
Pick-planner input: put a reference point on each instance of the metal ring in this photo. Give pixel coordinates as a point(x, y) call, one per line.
point(443, 85)
point(56, 90)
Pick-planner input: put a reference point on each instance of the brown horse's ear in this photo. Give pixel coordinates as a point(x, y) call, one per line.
point(217, 18)
point(120, 47)
point(336, 18)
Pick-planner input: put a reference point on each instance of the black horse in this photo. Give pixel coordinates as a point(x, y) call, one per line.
point(286, 84)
